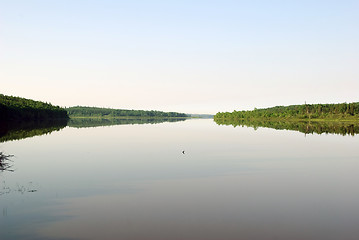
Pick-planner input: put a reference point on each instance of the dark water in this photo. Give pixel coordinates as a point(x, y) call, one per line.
point(134, 182)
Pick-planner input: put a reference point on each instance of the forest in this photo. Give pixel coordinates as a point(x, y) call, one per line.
point(341, 111)
point(80, 111)
point(22, 109)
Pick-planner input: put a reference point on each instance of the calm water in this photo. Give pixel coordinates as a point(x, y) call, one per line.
point(133, 182)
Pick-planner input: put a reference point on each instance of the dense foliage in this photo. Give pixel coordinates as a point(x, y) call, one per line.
point(21, 109)
point(306, 111)
point(79, 111)
point(319, 127)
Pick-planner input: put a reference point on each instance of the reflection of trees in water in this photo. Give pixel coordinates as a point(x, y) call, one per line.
point(5, 162)
point(319, 127)
point(18, 130)
point(12, 130)
point(97, 122)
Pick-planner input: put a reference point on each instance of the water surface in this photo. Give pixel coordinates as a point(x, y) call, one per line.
point(133, 182)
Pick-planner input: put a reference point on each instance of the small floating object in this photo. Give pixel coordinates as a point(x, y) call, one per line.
point(183, 152)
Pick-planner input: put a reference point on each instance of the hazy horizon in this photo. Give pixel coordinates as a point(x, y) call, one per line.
point(188, 56)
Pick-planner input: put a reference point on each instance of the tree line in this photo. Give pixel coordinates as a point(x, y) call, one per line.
point(80, 111)
point(301, 112)
point(22, 109)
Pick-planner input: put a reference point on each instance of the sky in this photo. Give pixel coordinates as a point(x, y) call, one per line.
point(185, 56)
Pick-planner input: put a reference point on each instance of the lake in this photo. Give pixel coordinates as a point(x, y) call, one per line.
point(132, 181)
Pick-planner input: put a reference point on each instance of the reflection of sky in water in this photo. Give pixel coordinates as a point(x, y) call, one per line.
point(133, 182)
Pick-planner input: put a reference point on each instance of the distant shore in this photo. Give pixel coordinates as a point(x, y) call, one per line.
point(305, 112)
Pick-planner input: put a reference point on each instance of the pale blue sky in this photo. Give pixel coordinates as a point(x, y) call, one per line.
point(187, 56)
